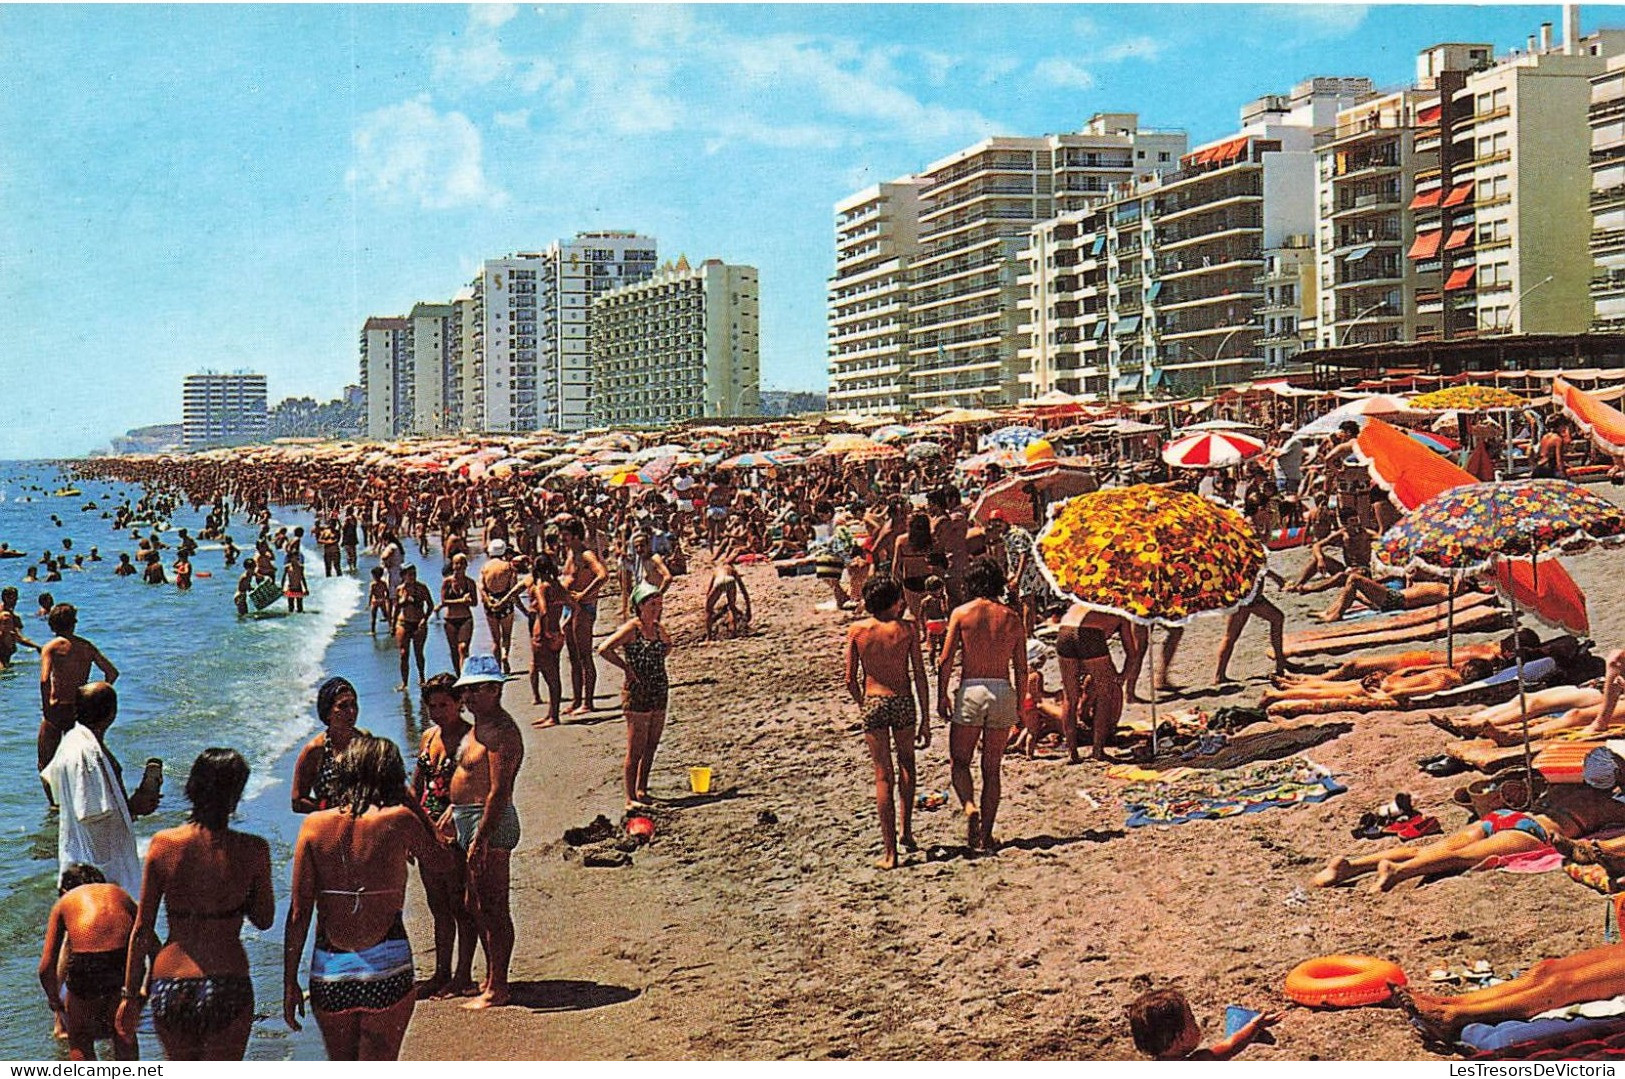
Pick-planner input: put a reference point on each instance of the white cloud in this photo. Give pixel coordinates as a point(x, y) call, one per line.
point(517, 120)
point(1321, 21)
point(1134, 48)
point(411, 153)
point(491, 15)
point(1062, 74)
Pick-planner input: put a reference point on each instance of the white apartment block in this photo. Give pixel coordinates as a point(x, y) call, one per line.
point(1524, 146)
point(1608, 197)
point(1287, 308)
point(386, 375)
point(976, 210)
point(1062, 312)
point(680, 345)
point(429, 346)
point(222, 410)
point(463, 405)
point(530, 333)
point(876, 237)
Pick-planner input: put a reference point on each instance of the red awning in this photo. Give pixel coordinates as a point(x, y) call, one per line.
point(1426, 245)
point(1459, 238)
point(1429, 115)
point(1460, 278)
point(1233, 149)
point(1459, 194)
point(1424, 199)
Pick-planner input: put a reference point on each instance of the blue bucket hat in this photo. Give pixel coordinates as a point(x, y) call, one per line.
point(479, 670)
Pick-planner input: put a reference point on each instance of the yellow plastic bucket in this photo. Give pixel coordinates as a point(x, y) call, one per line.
point(699, 780)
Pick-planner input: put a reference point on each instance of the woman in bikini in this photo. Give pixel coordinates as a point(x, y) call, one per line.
point(639, 648)
point(314, 771)
point(209, 878)
point(915, 557)
point(1090, 681)
point(457, 599)
point(454, 926)
point(413, 604)
point(548, 601)
point(349, 871)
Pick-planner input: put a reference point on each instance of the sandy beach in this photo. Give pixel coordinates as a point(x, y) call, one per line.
point(755, 925)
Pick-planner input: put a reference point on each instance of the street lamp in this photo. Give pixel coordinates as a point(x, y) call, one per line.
point(1355, 321)
point(1225, 340)
point(1518, 299)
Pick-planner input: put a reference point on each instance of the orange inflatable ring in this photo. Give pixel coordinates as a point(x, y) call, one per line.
point(1342, 981)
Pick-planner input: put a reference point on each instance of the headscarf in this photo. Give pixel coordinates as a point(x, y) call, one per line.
point(329, 693)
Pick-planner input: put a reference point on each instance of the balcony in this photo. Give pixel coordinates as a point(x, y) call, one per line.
point(1607, 241)
point(1373, 202)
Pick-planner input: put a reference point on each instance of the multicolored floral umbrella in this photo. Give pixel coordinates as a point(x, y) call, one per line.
point(1014, 437)
point(1211, 449)
point(1467, 528)
point(631, 477)
point(1152, 555)
point(1468, 398)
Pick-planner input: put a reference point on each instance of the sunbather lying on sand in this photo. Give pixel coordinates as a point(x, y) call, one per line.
point(1570, 810)
point(1360, 666)
point(1595, 974)
point(1551, 711)
point(1412, 682)
point(1357, 587)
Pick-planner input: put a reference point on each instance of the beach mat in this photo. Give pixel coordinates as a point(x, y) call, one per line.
point(1213, 795)
point(1476, 615)
point(265, 593)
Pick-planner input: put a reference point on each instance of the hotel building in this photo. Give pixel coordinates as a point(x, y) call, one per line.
point(222, 410)
point(876, 239)
point(387, 375)
point(680, 345)
point(429, 338)
point(1608, 197)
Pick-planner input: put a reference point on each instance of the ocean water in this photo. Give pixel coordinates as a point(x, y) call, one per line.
point(191, 676)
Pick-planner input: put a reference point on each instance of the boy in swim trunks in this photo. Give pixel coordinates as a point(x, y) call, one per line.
point(883, 668)
point(91, 923)
point(65, 664)
point(11, 628)
point(991, 644)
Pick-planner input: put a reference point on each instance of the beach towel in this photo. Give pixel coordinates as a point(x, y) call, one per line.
point(1540, 860)
point(1519, 1036)
point(1230, 792)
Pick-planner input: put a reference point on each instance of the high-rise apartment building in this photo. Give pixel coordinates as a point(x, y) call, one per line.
point(387, 375)
point(876, 237)
point(433, 373)
point(679, 345)
point(463, 402)
point(1287, 308)
point(222, 410)
point(975, 209)
point(1608, 197)
point(531, 314)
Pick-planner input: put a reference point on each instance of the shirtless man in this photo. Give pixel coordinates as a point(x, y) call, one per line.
point(499, 593)
point(950, 531)
point(883, 665)
point(993, 664)
point(65, 664)
point(89, 925)
point(483, 813)
point(583, 577)
point(1090, 681)
point(413, 603)
point(1549, 463)
point(1379, 597)
point(11, 628)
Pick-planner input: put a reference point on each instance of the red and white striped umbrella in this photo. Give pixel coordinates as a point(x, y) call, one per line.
point(1211, 449)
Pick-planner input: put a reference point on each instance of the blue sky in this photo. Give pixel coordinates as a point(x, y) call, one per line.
point(227, 187)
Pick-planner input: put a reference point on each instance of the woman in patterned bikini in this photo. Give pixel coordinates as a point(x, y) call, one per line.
point(210, 878)
point(349, 872)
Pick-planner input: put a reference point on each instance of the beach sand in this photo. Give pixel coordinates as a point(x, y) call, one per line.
point(755, 925)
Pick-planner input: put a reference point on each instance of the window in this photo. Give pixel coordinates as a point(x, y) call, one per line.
point(1140, 154)
point(1163, 155)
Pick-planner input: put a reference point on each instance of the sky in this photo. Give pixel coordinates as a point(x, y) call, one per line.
point(221, 187)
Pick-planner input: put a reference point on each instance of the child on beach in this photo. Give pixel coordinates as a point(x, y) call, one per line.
point(1165, 1028)
point(378, 599)
point(886, 678)
point(934, 616)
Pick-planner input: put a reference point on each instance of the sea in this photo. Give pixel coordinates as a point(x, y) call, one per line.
point(192, 675)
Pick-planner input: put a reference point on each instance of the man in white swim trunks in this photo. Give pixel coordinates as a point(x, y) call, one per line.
point(992, 645)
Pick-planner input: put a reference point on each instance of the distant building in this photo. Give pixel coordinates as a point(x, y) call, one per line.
point(433, 374)
point(158, 438)
point(793, 402)
point(222, 410)
point(1608, 197)
point(387, 375)
point(680, 345)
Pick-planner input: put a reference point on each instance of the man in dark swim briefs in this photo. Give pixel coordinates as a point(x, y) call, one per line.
point(11, 628)
point(65, 664)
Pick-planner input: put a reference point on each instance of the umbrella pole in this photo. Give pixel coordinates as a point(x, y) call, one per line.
point(1450, 623)
point(1151, 665)
point(1523, 699)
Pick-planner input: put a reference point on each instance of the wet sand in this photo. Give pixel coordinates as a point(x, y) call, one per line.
point(755, 926)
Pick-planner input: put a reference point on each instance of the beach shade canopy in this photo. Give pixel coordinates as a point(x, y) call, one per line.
point(670, 449)
point(1469, 398)
point(1602, 423)
point(575, 470)
point(981, 462)
point(751, 460)
point(839, 444)
point(1467, 529)
point(877, 452)
point(1411, 475)
point(709, 444)
point(1124, 428)
point(1013, 497)
point(892, 432)
point(954, 416)
point(1211, 449)
point(1150, 554)
point(785, 458)
point(923, 450)
point(1014, 437)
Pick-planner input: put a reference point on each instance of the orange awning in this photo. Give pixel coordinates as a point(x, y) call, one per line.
point(1460, 278)
point(1426, 245)
point(1233, 149)
point(1429, 115)
point(1459, 238)
point(1459, 194)
point(1424, 199)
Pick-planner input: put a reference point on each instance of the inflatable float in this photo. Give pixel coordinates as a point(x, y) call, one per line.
point(1342, 981)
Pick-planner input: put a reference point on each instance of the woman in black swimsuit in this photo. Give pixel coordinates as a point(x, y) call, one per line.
point(209, 878)
point(639, 648)
point(313, 772)
point(457, 599)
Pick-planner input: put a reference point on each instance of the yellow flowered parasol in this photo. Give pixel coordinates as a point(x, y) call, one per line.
point(1468, 398)
point(1155, 556)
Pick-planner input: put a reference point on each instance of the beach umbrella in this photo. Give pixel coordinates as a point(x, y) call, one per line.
point(1152, 555)
point(1599, 421)
point(575, 470)
point(1470, 529)
point(955, 416)
point(892, 432)
point(1220, 425)
point(1435, 442)
point(1468, 398)
point(631, 477)
point(1357, 410)
point(981, 462)
point(839, 444)
point(1050, 480)
point(784, 458)
point(1014, 437)
point(709, 444)
point(1211, 449)
point(750, 460)
point(655, 452)
point(923, 450)
point(876, 452)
